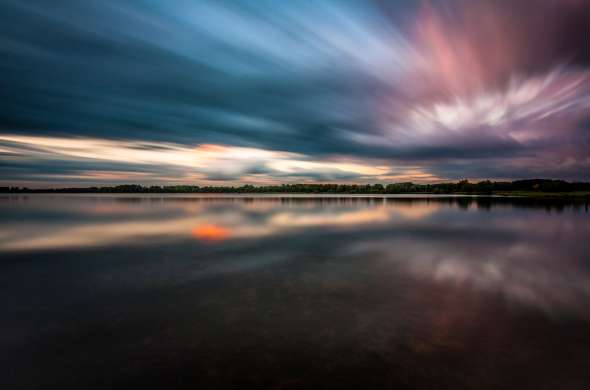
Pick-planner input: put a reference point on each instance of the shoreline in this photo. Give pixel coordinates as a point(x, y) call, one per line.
point(576, 195)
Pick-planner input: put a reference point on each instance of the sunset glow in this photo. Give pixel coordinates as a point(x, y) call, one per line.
point(295, 194)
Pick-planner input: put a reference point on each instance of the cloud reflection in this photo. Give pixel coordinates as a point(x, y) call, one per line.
point(440, 240)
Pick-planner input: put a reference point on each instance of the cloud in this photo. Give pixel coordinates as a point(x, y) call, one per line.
point(457, 84)
point(95, 160)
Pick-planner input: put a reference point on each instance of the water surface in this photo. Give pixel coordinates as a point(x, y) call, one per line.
point(286, 292)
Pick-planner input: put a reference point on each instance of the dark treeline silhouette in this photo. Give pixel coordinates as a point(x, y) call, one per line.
point(461, 187)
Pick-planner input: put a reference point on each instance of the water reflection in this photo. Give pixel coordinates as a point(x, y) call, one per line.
point(41, 222)
point(99, 222)
point(330, 292)
point(210, 233)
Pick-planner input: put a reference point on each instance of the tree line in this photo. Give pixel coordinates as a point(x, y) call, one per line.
point(461, 187)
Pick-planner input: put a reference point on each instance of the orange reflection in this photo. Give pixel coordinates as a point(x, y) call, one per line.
point(210, 233)
point(417, 211)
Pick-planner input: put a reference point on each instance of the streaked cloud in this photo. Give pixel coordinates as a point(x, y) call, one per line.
point(447, 89)
point(156, 161)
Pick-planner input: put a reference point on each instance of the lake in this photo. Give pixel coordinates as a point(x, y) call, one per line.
point(288, 292)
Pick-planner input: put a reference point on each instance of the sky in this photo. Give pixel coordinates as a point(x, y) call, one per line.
point(101, 92)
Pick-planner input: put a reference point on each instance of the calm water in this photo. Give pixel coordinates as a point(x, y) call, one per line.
point(293, 292)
